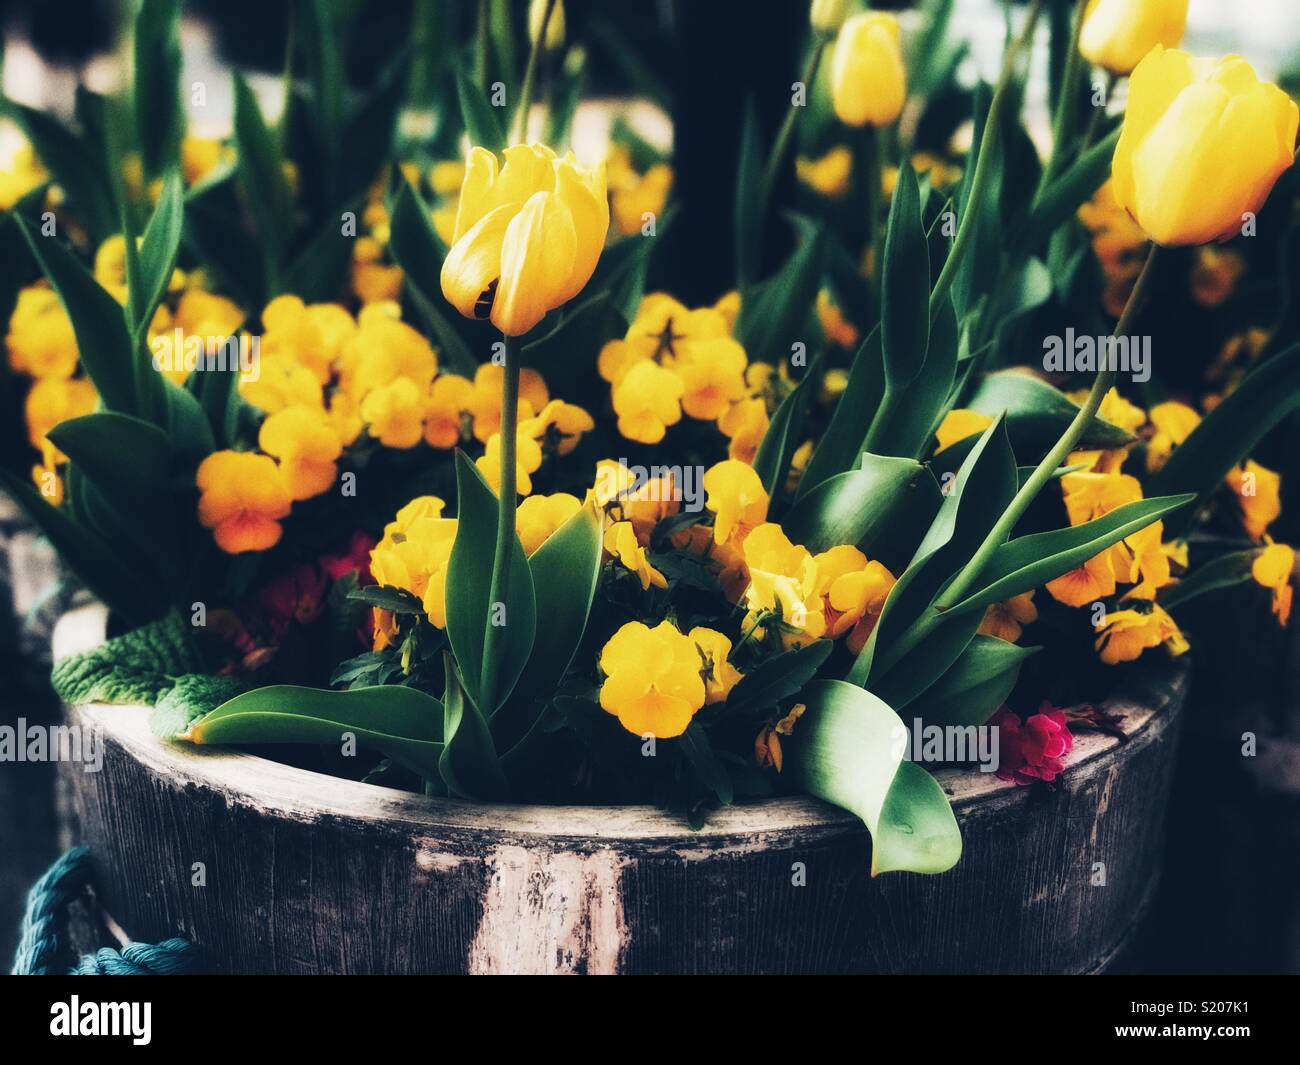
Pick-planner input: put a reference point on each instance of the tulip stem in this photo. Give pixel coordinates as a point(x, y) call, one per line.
point(494, 638)
point(1098, 113)
point(988, 144)
point(520, 131)
point(1001, 531)
point(784, 135)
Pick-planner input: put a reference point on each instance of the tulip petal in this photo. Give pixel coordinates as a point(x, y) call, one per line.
point(583, 192)
point(475, 191)
point(537, 258)
point(474, 261)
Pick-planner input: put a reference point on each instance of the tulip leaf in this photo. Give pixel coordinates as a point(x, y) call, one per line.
point(1065, 194)
point(1037, 414)
point(74, 164)
point(840, 446)
point(1031, 561)
point(564, 571)
point(1223, 572)
point(1231, 430)
point(949, 638)
point(483, 122)
point(156, 92)
point(777, 678)
point(105, 347)
point(400, 722)
point(781, 438)
point(469, 590)
point(848, 749)
point(974, 686)
point(905, 284)
point(263, 181)
point(749, 200)
point(417, 250)
point(125, 456)
point(468, 764)
point(216, 235)
point(853, 507)
point(711, 770)
point(773, 312)
point(158, 250)
point(905, 422)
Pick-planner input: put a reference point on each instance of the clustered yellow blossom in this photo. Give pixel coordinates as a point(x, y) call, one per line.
point(1118, 243)
point(635, 198)
point(243, 498)
point(1273, 568)
point(413, 556)
point(22, 173)
point(827, 175)
point(1259, 495)
point(657, 679)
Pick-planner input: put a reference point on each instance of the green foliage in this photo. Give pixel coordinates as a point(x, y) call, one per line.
point(136, 668)
point(190, 698)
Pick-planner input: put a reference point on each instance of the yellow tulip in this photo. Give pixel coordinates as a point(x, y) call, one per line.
point(868, 83)
point(1117, 34)
point(554, 40)
point(1202, 146)
point(527, 236)
point(826, 16)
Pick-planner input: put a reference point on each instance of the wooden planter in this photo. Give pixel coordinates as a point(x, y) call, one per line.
point(307, 873)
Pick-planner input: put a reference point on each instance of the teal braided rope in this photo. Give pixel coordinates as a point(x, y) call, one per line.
point(43, 941)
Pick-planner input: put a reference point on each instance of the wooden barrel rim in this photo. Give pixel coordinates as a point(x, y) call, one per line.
point(284, 791)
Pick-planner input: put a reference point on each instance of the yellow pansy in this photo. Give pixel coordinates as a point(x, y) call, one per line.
point(1215, 274)
point(537, 517)
point(1006, 620)
point(1259, 492)
point(558, 427)
point(485, 403)
point(828, 174)
point(958, 424)
point(647, 400)
point(528, 458)
point(528, 235)
point(394, 413)
point(448, 402)
point(782, 582)
point(1272, 569)
point(1173, 423)
point(652, 679)
point(414, 552)
point(719, 675)
point(838, 329)
point(622, 544)
point(282, 382)
point(713, 377)
point(744, 425)
point(53, 400)
point(243, 497)
point(734, 494)
point(855, 591)
point(384, 349)
point(639, 196)
point(1202, 145)
point(41, 341)
point(1125, 634)
point(314, 336)
point(304, 442)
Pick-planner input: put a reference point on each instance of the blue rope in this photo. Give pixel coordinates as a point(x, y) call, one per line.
point(43, 941)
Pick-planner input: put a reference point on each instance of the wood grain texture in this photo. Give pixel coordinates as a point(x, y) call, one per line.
point(309, 873)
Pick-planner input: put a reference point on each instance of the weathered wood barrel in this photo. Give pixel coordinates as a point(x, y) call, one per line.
point(306, 873)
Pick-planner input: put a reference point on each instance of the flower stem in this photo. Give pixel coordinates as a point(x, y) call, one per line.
point(1001, 531)
point(988, 143)
point(782, 144)
point(494, 638)
point(520, 130)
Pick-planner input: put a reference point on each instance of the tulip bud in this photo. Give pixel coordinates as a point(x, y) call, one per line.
point(1116, 34)
point(868, 83)
point(827, 16)
point(554, 27)
point(527, 238)
point(1203, 143)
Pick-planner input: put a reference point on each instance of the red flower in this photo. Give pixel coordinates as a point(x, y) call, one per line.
point(1033, 749)
point(298, 595)
point(356, 560)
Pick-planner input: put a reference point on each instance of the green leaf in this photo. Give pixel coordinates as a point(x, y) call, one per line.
point(564, 571)
point(695, 745)
point(135, 669)
point(749, 199)
point(773, 313)
point(126, 457)
point(158, 250)
point(156, 92)
point(215, 234)
point(847, 749)
point(1067, 193)
point(468, 765)
point(262, 178)
point(974, 686)
point(781, 438)
point(401, 722)
point(107, 354)
point(79, 170)
point(483, 122)
point(469, 589)
point(778, 678)
point(326, 74)
point(1037, 414)
point(840, 447)
point(905, 422)
point(1223, 572)
point(417, 250)
point(190, 698)
point(398, 600)
point(1031, 561)
point(1231, 430)
point(905, 284)
point(853, 507)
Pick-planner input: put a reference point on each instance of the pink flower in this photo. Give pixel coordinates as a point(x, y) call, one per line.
point(1033, 749)
point(298, 595)
point(356, 560)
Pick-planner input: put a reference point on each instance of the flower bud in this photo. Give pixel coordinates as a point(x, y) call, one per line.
point(868, 83)
point(1116, 34)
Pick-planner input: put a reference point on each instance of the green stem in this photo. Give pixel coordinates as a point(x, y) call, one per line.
point(1043, 473)
point(481, 46)
point(494, 639)
point(784, 135)
point(520, 130)
point(1098, 113)
point(872, 194)
point(1066, 103)
point(988, 143)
